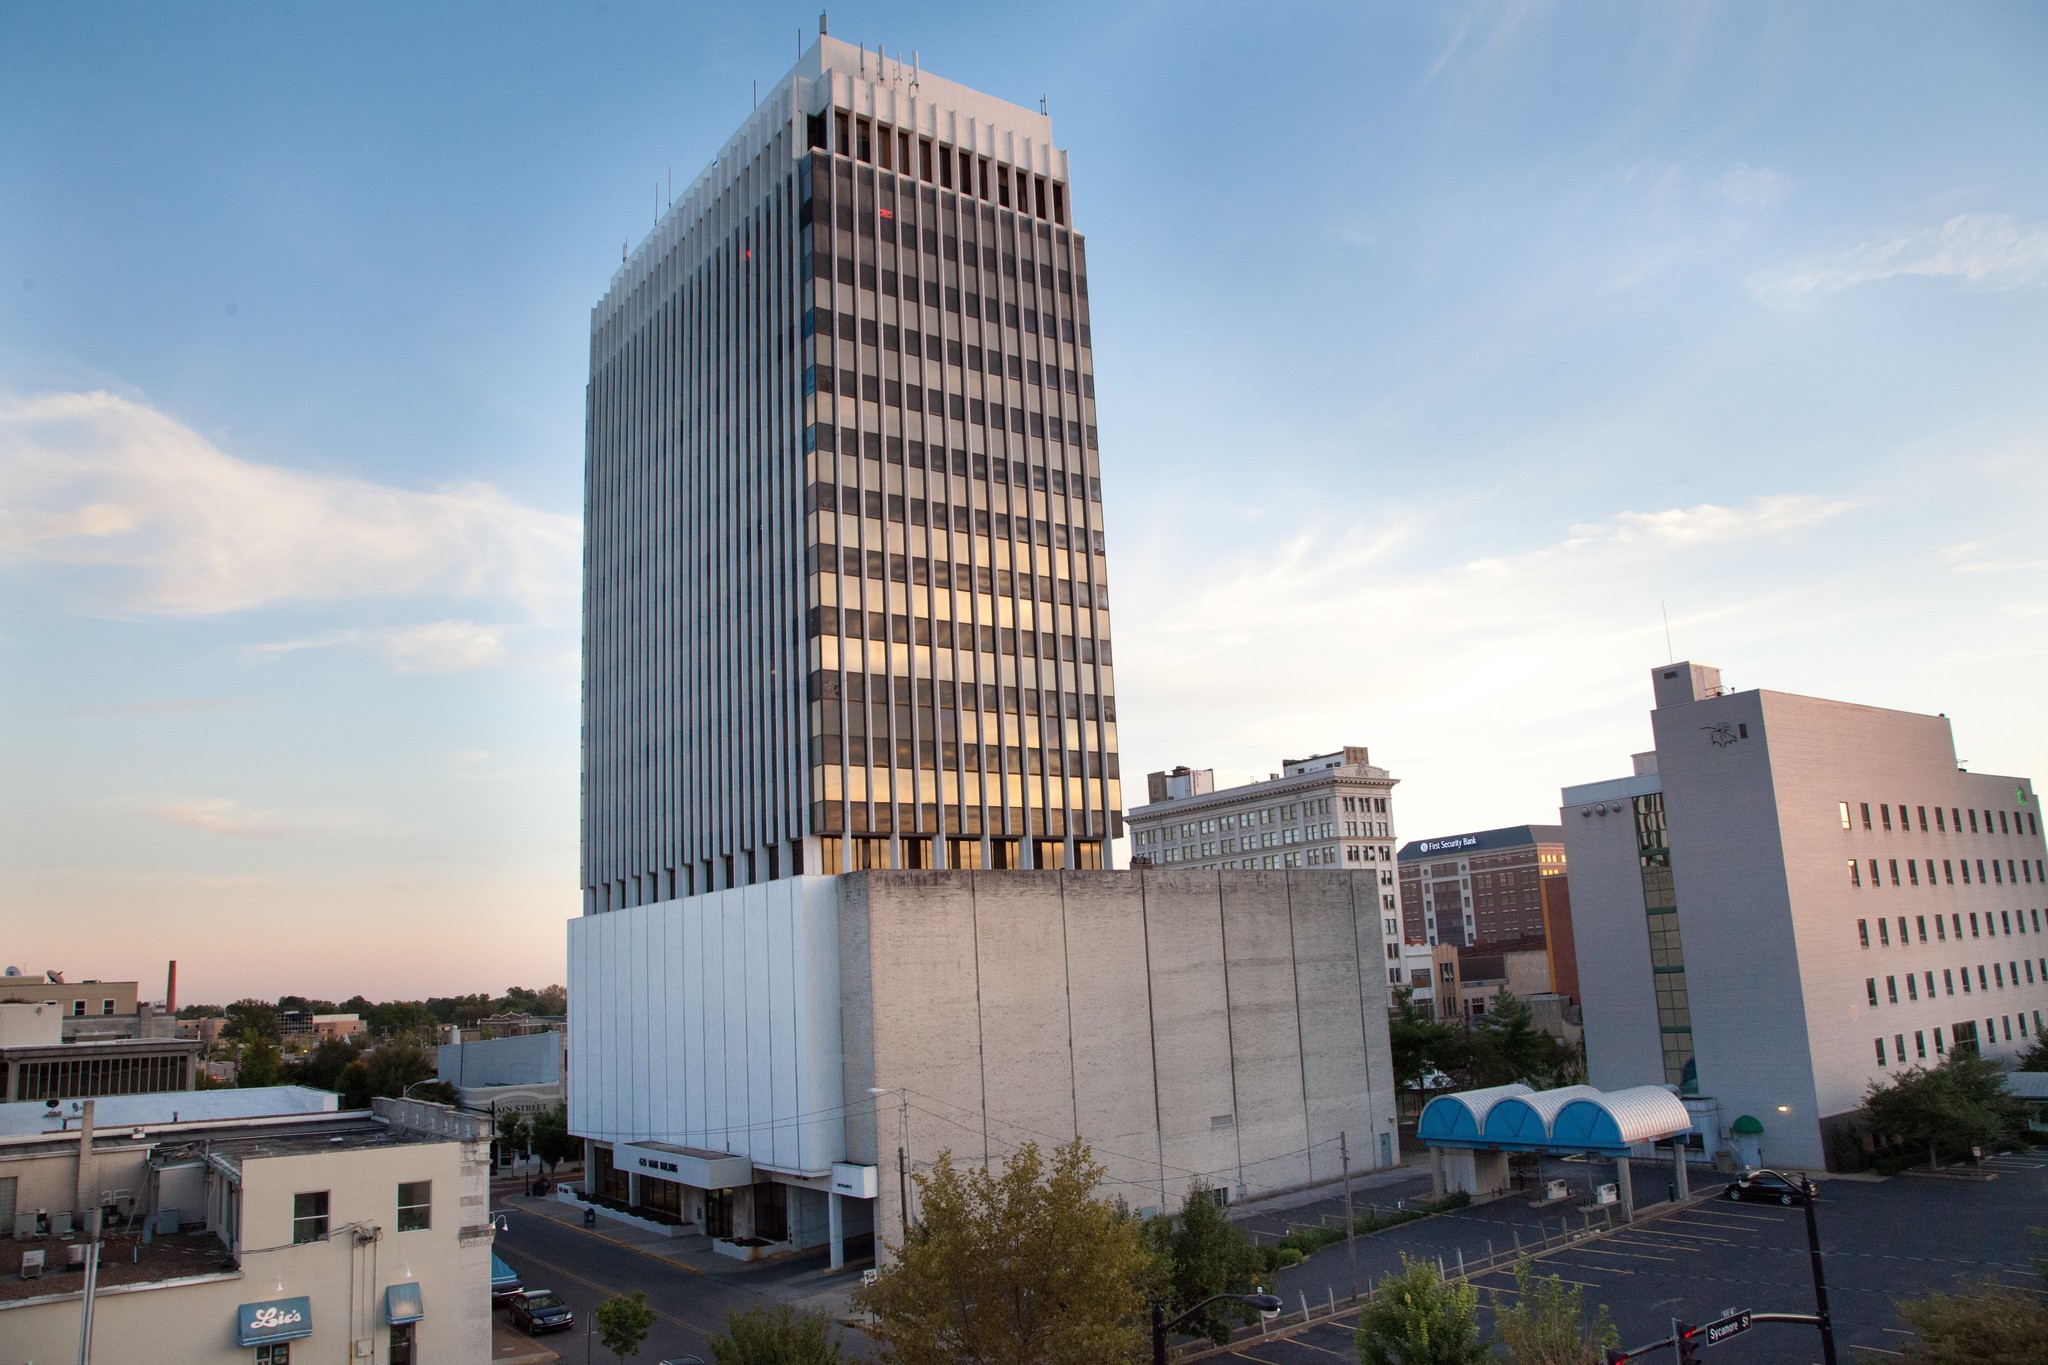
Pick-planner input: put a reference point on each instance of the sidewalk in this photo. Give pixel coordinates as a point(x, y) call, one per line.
point(510, 1346)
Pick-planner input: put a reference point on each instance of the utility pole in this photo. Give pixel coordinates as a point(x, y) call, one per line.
point(1820, 1279)
point(1350, 1228)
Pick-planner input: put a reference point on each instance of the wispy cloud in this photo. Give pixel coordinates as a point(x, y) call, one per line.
point(431, 647)
point(1985, 250)
point(174, 525)
point(226, 816)
point(1753, 188)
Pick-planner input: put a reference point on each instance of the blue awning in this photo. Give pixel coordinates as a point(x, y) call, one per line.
point(402, 1303)
point(277, 1320)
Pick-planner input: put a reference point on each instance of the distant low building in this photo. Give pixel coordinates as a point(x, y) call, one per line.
point(517, 1074)
point(248, 1221)
point(36, 1063)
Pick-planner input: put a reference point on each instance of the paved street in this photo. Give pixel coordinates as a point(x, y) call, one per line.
point(586, 1268)
point(1882, 1240)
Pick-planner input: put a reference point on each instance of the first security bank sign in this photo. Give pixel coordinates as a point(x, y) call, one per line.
point(1448, 845)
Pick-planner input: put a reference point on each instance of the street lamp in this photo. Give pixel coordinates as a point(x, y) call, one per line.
point(1161, 1328)
point(902, 1153)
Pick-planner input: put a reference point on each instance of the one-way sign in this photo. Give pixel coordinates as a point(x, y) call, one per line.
point(1724, 1328)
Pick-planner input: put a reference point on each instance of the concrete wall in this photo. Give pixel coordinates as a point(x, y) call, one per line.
point(712, 1022)
point(1222, 1025)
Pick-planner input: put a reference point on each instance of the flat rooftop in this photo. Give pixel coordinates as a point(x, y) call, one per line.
point(125, 1260)
point(31, 1118)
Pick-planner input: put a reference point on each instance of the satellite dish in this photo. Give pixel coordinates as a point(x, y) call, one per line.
point(11, 971)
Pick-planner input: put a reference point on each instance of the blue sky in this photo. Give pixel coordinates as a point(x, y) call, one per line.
point(1441, 350)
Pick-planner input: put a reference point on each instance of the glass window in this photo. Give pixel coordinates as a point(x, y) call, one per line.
point(415, 1205)
point(309, 1217)
point(1845, 814)
point(274, 1353)
point(401, 1343)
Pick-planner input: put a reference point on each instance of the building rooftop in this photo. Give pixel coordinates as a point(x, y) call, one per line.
point(125, 1260)
point(31, 1117)
point(350, 1131)
point(1482, 841)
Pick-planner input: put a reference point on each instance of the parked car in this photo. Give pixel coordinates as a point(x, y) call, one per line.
point(539, 1310)
point(504, 1280)
point(1768, 1187)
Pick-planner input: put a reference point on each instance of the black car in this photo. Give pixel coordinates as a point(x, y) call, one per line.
point(1769, 1187)
point(538, 1310)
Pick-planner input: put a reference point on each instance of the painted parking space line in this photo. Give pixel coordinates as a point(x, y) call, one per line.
point(607, 1291)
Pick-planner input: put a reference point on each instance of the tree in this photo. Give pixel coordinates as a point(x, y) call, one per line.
point(513, 1134)
point(1961, 1104)
point(776, 1336)
point(551, 1139)
point(245, 1017)
point(1417, 1319)
point(1420, 1044)
point(1986, 1323)
point(1507, 1046)
point(1545, 1323)
point(261, 1063)
point(623, 1322)
point(2035, 1058)
point(396, 1017)
point(1204, 1253)
point(322, 1068)
point(1025, 1267)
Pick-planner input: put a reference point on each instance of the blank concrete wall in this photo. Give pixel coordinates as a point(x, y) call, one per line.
point(1191, 1025)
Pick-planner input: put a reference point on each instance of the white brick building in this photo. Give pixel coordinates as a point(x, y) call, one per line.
point(1791, 897)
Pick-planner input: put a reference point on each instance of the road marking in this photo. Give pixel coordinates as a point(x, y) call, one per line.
point(606, 1291)
point(609, 1241)
point(1661, 1246)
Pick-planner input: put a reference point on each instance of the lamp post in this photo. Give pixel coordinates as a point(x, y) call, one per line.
point(1161, 1328)
point(902, 1152)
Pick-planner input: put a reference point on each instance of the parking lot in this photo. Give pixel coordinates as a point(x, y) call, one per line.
point(1881, 1241)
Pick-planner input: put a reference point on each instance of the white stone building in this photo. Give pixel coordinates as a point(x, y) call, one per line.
point(1331, 810)
point(1791, 897)
point(244, 1225)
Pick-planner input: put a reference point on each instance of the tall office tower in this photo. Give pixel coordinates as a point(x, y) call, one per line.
point(846, 603)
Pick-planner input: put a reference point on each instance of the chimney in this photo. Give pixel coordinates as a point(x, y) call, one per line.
point(171, 990)
point(88, 1199)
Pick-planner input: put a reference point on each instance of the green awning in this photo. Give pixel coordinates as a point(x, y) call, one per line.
point(1746, 1126)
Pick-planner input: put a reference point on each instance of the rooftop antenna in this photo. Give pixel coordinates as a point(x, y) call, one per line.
point(1671, 655)
point(914, 70)
point(821, 23)
point(757, 92)
point(1041, 104)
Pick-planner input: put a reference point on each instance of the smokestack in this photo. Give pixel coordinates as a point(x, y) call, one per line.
point(171, 990)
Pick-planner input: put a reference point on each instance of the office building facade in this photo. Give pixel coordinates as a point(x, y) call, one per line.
point(1492, 888)
point(846, 597)
point(1331, 810)
point(1792, 897)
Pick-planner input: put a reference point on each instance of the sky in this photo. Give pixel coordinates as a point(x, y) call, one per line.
point(1444, 353)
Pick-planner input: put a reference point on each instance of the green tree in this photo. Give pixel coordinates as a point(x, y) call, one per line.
point(1420, 1044)
point(1545, 1322)
point(1507, 1046)
point(551, 1139)
point(1204, 1253)
point(394, 1018)
point(513, 1134)
point(398, 1064)
point(1961, 1104)
point(261, 1063)
point(776, 1336)
point(1026, 1267)
point(259, 1017)
point(1985, 1323)
point(200, 1011)
point(2035, 1058)
point(623, 1322)
point(1416, 1318)
point(322, 1067)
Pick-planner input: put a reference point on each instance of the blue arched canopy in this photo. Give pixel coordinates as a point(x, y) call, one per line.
point(1572, 1119)
point(1457, 1120)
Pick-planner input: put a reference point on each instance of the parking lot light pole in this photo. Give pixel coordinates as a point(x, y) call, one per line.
point(1820, 1279)
point(1265, 1303)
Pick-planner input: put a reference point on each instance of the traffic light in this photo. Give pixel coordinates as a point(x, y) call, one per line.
point(1688, 1336)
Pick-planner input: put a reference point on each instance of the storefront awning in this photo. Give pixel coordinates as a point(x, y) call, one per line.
point(402, 1303)
point(277, 1320)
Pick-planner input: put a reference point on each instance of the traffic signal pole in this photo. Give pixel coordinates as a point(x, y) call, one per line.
point(1820, 1279)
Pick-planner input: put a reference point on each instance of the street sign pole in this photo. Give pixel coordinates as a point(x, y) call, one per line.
point(1820, 1279)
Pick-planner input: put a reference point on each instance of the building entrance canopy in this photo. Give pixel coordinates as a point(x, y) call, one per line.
point(1562, 1122)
